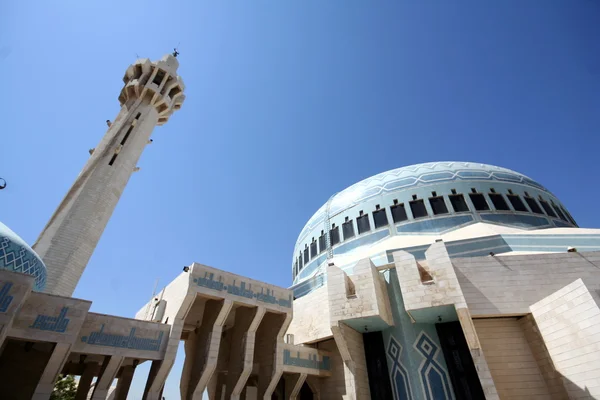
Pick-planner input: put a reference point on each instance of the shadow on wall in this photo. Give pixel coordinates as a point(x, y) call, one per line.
point(470, 290)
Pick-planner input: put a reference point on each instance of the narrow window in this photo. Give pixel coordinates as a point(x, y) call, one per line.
point(295, 269)
point(498, 201)
point(138, 115)
point(398, 212)
point(363, 223)
point(334, 235)
point(126, 135)
point(380, 218)
point(438, 205)
point(559, 212)
point(516, 202)
point(322, 243)
point(418, 208)
point(479, 201)
point(306, 258)
point(348, 229)
point(533, 205)
point(158, 78)
point(313, 249)
point(137, 71)
point(300, 265)
point(547, 208)
point(458, 202)
point(112, 160)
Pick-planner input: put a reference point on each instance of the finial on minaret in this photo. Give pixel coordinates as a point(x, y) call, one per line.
point(175, 52)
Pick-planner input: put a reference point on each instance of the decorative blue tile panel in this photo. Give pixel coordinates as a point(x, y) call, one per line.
point(17, 256)
point(121, 341)
point(53, 324)
point(5, 298)
point(520, 221)
point(312, 362)
point(398, 373)
point(438, 225)
point(243, 290)
point(434, 377)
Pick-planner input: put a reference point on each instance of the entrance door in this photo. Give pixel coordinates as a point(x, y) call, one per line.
point(459, 361)
point(377, 370)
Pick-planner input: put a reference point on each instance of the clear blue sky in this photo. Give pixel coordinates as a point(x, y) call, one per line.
point(287, 103)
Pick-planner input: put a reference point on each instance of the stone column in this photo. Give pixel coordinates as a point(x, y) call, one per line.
point(85, 381)
point(124, 382)
point(53, 368)
point(107, 375)
point(293, 384)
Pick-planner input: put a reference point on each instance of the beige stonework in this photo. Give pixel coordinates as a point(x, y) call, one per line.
point(152, 92)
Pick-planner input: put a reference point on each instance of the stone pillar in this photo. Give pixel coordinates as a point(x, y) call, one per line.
point(124, 382)
point(248, 354)
point(293, 384)
point(107, 375)
point(213, 345)
point(85, 381)
point(152, 375)
point(53, 368)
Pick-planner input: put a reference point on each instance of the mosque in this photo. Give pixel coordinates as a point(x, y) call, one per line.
point(444, 280)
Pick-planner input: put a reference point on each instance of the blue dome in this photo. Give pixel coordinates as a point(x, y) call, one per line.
point(17, 256)
point(430, 198)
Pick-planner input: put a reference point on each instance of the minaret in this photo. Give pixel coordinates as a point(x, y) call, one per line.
point(152, 92)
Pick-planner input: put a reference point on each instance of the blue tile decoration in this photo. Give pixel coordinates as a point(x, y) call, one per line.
point(5, 298)
point(312, 362)
point(243, 290)
point(517, 220)
point(130, 341)
point(53, 324)
point(398, 373)
point(436, 384)
point(17, 256)
point(437, 225)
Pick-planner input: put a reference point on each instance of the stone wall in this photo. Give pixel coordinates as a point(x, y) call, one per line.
point(569, 323)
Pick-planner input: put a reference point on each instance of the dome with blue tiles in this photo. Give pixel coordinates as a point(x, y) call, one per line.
point(425, 199)
point(17, 256)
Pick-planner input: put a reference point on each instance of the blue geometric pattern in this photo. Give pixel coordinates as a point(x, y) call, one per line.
point(16, 256)
point(398, 374)
point(434, 378)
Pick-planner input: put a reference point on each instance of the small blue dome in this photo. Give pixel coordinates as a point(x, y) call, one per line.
point(17, 256)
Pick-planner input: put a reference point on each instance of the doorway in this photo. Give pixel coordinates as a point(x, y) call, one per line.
point(459, 362)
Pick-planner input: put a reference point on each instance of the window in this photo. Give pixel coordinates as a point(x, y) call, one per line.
point(127, 135)
point(313, 249)
point(516, 202)
point(398, 212)
point(174, 92)
point(300, 261)
point(479, 201)
point(498, 201)
point(138, 115)
point(533, 205)
point(418, 208)
point(158, 78)
point(569, 216)
point(547, 208)
point(458, 203)
point(380, 218)
point(559, 212)
point(348, 229)
point(363, 223)
point(334, 235)
point(322, 242)
point(295, 268)
point(306, 258)
point(438, 205)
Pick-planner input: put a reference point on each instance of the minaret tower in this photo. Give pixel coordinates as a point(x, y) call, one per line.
point(152, 92)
